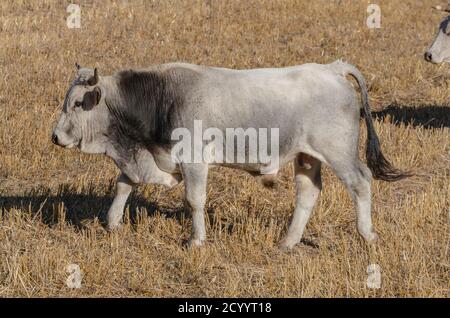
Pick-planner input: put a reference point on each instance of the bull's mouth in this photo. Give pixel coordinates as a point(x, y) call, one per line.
point(76, 144)
point(437, 62)
point(71, 145)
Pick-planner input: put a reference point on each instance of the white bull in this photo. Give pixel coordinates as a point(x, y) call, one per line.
point(439, 50)
point(131, 116)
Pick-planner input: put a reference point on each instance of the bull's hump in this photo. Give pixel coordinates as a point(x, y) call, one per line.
point(176, 67)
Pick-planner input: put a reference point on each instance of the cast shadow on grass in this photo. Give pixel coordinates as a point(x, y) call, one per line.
point(80, 206)
point(426, 116)
point(73, 207)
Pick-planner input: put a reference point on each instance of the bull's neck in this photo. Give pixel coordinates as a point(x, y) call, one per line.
point(117, 146)
point(108, 86)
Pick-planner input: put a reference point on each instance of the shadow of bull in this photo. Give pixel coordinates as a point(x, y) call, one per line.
point(427, 116)
point(78, 206)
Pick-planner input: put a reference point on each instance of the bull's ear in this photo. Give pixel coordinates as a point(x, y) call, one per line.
point(94, 79)
point(92, 98)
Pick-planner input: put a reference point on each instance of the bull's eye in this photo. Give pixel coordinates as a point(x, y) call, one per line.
point(78, 104)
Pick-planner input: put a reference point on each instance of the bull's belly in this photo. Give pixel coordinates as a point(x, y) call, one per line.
point(257, 168)
point(270, 163)
point(158, 166)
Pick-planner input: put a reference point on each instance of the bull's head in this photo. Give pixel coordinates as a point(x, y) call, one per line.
point(440, 49)
point(82, 118)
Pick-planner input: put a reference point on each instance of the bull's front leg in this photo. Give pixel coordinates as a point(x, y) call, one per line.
point(115, 213)
point(195, 179)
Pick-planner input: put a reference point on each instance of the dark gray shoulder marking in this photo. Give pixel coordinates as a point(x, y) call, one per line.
point(148, 106)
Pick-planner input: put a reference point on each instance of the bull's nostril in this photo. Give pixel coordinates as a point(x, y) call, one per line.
point(428, 56)
point(54, 138)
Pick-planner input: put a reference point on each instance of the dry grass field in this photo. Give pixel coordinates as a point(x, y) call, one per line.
point(53, 201)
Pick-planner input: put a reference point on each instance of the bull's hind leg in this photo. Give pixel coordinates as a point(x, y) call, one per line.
point(308, 185)
point(357, 177)
point(195, 179)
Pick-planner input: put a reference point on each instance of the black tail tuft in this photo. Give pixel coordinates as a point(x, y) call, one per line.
point(381, 168)
point(378, 164)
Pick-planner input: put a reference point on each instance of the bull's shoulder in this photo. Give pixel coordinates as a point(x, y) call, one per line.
point(179, 78)
point(181, 75)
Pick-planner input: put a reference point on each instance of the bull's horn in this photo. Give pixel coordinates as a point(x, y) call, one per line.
point(442, 8)
point(94, 79)
point(77, 66)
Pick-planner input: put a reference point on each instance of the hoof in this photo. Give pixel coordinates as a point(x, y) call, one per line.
point(371, 238)
point(195, 242)
point(286, 246)
point(114, 227)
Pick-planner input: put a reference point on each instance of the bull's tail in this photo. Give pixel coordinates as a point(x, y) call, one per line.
point(381, 168)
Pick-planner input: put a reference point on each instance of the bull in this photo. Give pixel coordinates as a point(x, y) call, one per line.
point(131, 116)
point(439, 51)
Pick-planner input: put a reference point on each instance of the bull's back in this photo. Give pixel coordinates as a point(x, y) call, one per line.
point(270, 97)
point(293, 99)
